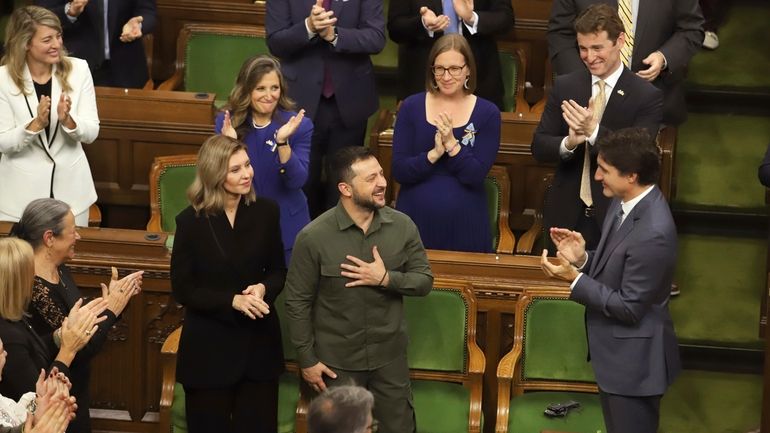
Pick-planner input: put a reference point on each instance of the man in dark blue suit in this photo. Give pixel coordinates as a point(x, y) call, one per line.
point(324, 47)
point(625, 284)
point(576, 115)
point(108, 35)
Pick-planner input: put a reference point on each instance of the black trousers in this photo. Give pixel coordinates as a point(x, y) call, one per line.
point(247, 407)
point(329, 135)
point(625, 414)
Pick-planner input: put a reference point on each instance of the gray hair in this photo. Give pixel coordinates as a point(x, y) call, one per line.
point(342, 409)
point(40, 216)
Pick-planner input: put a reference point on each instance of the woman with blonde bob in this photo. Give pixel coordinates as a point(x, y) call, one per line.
point(47, 110)
point(27, 351)
point(227, 269)
point(260, 113)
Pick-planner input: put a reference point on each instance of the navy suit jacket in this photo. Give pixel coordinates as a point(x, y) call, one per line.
point(633, 102)
point(631, 340)
point(360, 31)
point(405, 28)
point(673, 27)
point(129, 65)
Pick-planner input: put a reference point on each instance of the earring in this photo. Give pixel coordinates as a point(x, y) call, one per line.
point(465, 84)
point(434, 85)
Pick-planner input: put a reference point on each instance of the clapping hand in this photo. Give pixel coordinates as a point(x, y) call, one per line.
point(570, 243)
point(43, 113)
point(227, 126)
point(63, 111)
point(132, 30)
point(464, 9)
point(431, 21)
point(579, 118)
point(321, 21)
point(81, 324)
point(121, 290)
point(564, 270)
point(290, 127)
point(76, 7)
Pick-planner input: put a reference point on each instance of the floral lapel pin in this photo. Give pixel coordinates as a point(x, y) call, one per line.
point(271, 144)
point(469, 138)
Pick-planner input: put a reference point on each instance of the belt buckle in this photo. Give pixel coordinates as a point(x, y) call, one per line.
point(589, 211)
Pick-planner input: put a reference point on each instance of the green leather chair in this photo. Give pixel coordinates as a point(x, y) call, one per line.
point(446, 365)
point(209, 57)
point(172, 400)
point(514, 72)
point(498, 190)
point(170, 176)
point(547, 365)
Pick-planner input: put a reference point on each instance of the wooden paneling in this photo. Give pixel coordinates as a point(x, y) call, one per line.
point(136, 126)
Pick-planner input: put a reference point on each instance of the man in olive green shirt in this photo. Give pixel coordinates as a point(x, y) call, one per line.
point(349, 270)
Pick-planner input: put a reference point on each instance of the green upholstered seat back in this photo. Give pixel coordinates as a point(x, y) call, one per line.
point(509, 69)
point(492, 190)
point(212, 61)
point(437, 330)
point(387, 58)
point(178, 417)
point(289, 352)
point(172, 190)
point(555, 346)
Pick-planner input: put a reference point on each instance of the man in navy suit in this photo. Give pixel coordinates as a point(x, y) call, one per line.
point(572, 121)
point(324, 48)
point(625, 284)
point(108, 35)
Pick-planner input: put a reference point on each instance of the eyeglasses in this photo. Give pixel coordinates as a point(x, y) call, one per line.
point(455, 71)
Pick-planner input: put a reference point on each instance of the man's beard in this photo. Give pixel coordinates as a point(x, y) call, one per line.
point(366, 202)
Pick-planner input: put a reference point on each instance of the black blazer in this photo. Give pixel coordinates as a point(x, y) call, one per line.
point(406, 29)
point(673, 27)
point(129, 65)
point(633, 102)
point(210, 263)
point(27, 354)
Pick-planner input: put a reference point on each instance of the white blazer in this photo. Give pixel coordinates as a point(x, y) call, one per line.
point(34, 165)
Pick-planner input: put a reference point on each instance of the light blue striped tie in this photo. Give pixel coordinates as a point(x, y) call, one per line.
point(449, 11)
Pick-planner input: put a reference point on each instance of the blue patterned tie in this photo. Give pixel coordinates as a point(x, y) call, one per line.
point(449, 11)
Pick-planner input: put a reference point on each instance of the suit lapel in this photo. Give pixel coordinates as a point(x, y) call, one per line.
point(606, 228)
point(614, 108)
point(644, 15)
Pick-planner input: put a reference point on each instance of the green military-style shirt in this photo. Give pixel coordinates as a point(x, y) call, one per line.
point(353, 328)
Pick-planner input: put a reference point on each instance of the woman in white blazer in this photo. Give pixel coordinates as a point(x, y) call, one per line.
point(47, 109)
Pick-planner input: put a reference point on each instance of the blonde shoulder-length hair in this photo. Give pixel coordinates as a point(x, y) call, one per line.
point(21, 28)
point(17, 273)
point(207, 193)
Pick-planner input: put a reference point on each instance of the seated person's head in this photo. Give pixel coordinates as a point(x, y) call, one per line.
point(451, 66)
point(342, 409)
point(48, 225)
point(260, 88)
point(17, 273)
point(600, 38)
point(222, 168)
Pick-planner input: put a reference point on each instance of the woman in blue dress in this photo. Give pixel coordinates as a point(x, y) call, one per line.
point(444, 143)
point(260, 114)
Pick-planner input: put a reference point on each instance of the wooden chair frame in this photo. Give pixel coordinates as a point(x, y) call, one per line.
point(522, 106)
point(176, 81)
point(159, 166)
point(472, 379)
point(506, 239)
point(509, 369)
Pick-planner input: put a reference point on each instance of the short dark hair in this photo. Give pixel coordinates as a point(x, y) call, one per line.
point(341, 164)
point(632, 150)
point(600, 17)
point(342, 409)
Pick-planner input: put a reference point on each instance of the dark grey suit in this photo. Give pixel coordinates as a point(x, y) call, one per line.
point(631, 340)
point(634, 102)
point(673, 27)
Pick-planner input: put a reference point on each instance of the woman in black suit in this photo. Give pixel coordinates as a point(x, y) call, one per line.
point(227, 268)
